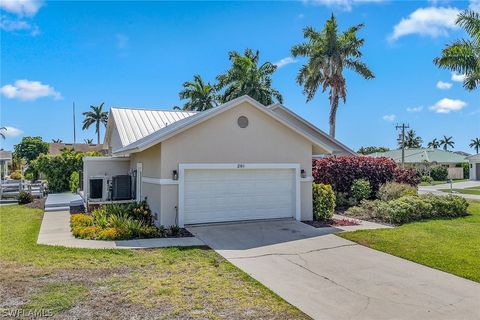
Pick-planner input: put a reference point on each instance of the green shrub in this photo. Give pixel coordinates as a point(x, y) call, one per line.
point(360, 190)
point(344, 200)
point(152, 232)
point(369, 210)
point(447, 206)
point(466, 170)
point(174, 231)
point(323, 201)
point(394, 190)
point(439, 173)
point(427, 179)
point(140, 211)
point(100, 217)
point(408, 209)
point(74, 182)
point(82, 220)
point(134, 227)
point(24, 197)
point(16, 175)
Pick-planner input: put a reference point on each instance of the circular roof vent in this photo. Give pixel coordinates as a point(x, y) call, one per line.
point(242, 122)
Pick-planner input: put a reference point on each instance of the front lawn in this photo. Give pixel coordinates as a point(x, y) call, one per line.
point(472, 190)
point(170, 283)
point(451, 245)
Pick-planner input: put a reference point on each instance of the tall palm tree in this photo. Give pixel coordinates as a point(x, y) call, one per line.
point(57, 140)
point(434, 144)
point(201, 95)
point(2, 134)
point(246, 77)
point(329, 53)
point(463, 55)
point(447, 142)
point(411, 140)
point(475, 144)
point(96, 116)
point(88, 141)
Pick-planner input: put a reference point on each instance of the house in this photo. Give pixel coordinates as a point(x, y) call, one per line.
point(5, 162)
point(239, 161)
point(56, 148)
point(423, 158)
point(474, 162)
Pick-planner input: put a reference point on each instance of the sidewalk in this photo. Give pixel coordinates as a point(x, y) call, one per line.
point(457, 185)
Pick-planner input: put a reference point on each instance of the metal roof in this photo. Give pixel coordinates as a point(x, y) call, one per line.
point(419, 155)
point(135, 124)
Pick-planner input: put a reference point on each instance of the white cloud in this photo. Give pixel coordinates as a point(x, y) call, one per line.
point(122, 40)
point(389, 117)
point(21, 7)
point(458, 77)
point(431, 21)
point(448, 105)
point(27, 90)
point(342, 4)
point(415, 109)
point(444, 85)
point(283, 62)
point(474, 5)
point(11, 132)
point(9, 25)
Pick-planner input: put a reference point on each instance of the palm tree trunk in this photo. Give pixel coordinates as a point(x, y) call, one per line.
point(333, 115)
point(98, 133)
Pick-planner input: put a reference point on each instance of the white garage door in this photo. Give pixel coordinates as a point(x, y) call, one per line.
point(218, 195)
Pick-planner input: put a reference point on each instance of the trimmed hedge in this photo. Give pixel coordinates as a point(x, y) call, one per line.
point(323, 201)
point(439, 173)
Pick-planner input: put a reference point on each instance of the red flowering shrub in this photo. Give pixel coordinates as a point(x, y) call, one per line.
point(340, 172)
point(407, 176)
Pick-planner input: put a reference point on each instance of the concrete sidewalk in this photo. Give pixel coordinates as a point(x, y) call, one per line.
point(55, 231)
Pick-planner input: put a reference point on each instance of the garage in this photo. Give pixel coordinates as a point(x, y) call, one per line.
point(237, 192)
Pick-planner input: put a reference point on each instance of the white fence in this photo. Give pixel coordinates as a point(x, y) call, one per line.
point(455, 173)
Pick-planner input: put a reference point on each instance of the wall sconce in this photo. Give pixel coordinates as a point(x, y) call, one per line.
point(303, 174)
point(175, 175)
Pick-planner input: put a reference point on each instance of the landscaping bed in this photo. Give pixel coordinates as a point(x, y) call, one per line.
point(332, 223)
point(122, 222)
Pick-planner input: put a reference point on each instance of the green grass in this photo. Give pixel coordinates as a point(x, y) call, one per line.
point(436, 182)
point(451, 245)
point(172, 282)
point(472, 190)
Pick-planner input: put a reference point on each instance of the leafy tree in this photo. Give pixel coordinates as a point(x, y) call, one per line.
point(30, 148)
point(2, 134)
point(372, 149)
point(57, 140)
point(246, 77)
point(201, 95)
point(446, 142)
point(434, 144)
point(475, 144)
point(463, 55)
point(96, 116)
point(329, 53)
point(411, 140)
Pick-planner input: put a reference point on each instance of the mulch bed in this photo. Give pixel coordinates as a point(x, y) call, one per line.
point(332, 223)
point(37, 204)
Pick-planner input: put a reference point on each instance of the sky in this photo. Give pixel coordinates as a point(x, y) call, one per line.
point(138, 54)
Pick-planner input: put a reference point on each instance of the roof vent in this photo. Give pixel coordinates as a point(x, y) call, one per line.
point(242, 122)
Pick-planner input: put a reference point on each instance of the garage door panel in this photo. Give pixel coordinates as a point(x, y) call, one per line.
point(215, 195)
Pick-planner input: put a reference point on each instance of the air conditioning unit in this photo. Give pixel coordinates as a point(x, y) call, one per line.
point(121, 187)
point(98, 188)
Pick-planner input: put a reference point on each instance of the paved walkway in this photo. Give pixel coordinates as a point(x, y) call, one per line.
point(60, 201)
point(456, 185)
point(328, 277)
point(55, 231)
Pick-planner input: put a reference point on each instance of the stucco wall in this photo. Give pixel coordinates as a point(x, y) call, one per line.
point(103, 167)
point(150, 159)
point(221, 140)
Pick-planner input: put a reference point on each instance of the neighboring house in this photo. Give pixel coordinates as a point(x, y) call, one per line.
point(56, 148)
point(425, 157)
point(238, 161)
point(474, 161)
point(5, 162)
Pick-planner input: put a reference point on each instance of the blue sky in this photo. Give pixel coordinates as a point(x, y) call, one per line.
point(138, 54)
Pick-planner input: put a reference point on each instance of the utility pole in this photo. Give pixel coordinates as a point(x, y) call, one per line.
point(403, 126)
point(74, 131)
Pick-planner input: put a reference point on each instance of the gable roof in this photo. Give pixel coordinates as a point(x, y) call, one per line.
point(135, 124)
point(340, 148)
point(419, 155)
point(188, 122)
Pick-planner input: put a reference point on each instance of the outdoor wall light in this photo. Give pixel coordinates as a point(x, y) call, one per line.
point(175, 175)
point(303, 174)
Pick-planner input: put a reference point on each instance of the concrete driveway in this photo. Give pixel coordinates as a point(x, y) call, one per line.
point(328, 277)
point(456, 185)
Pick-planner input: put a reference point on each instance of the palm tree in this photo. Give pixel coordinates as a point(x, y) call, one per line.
point(1, 133)
point(475, 144)
point(328, 53)
point(97, 116)
point(463, 55)
point(411, 140)
point(88, 141)
point(446, 142)
point(246, 77)
point(57, 140)
point(201, 96)
point(434, 144)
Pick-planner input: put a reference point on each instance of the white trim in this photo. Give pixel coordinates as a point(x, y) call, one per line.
point(88, 159)
point(139, 181)
point(307, 179)
point(239, 166)
point(159, 181)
